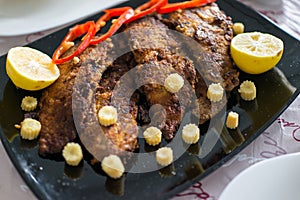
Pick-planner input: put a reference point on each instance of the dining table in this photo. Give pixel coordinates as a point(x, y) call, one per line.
point(281, 137)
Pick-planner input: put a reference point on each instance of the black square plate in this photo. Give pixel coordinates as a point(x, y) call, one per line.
point(52, 179)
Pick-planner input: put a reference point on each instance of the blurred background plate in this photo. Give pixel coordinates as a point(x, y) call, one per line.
point(277, 178)
point(31, 16)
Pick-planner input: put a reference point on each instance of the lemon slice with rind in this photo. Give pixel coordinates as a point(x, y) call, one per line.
point(30, 69)
point(256, 52)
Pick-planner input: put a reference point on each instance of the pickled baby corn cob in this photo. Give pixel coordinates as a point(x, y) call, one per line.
point(215, 92)
point(190, 133)
point(30, 129)
point(72, 153)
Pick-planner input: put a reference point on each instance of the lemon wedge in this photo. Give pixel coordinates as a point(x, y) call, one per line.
point(256, 52)
point(30, 69)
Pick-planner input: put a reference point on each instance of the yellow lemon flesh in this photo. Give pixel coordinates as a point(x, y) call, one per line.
point(256, 52)
point(30, 69)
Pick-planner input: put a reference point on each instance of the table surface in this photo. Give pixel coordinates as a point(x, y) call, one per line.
point(282, 137)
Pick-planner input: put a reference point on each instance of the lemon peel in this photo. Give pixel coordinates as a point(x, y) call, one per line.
point(256, 52)
point(30, 69)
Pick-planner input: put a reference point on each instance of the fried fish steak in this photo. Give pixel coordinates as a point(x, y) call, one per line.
point(95, 90)
point(55, 112)
point(95, 76)
point(212, 29)
point(155, 50)
point(124, 133)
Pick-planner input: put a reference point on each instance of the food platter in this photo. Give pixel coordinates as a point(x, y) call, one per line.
point(52, 179)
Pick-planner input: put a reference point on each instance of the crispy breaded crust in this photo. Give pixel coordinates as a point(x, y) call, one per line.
point(55, 104)
point(156, 51)
point(210, 28)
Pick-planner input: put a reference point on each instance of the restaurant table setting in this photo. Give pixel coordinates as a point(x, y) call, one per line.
point(280, 138)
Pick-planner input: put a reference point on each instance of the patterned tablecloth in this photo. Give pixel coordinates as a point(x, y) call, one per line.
point(282, 137)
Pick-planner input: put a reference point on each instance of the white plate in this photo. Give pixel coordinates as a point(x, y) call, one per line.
point(275, 179)
point(18, 17)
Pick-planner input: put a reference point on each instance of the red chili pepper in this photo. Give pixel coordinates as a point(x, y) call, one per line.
point(89, 28)
point(124, 14)
point(147, 8)
point(183, 5)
